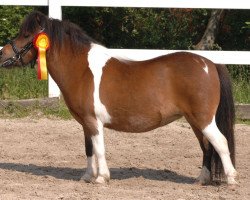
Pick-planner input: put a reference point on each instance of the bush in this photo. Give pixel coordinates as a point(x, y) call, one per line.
point(10, 20)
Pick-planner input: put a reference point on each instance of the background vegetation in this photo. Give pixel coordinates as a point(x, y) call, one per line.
point(10, 20)
point(21, 83)
point(132, 28)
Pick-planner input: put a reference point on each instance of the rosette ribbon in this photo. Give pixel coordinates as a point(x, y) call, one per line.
point(42, 44)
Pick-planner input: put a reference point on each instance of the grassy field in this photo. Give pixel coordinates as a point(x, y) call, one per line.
point(14, 110)
point(241, 82)
point(22, 83)
point(241, 91)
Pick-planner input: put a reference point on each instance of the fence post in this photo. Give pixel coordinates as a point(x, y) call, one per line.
point(55, 11)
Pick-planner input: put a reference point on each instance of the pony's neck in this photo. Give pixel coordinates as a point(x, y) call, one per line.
point(66, 66)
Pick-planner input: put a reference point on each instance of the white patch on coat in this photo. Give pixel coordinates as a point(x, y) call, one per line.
point(91, 171)
point(98, 56)
point(205, 67)
point(219, 142)
point(99, 149)
point(120, 56)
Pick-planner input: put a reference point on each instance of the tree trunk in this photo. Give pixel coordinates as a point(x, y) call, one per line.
point(208, 39)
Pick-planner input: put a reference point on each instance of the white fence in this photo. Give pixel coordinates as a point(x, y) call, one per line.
point(224, 57)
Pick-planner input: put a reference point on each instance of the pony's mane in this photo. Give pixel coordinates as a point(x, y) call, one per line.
point(56, 29)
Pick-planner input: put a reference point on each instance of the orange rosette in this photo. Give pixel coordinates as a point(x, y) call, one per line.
point(42, 44)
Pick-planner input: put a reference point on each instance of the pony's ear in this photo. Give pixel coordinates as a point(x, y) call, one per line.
point(40, 19)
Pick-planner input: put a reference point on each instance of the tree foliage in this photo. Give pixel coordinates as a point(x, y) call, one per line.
point(159, 28)
point(140, 28)
point(10, 19)
point(232, 36)
point(143, 28)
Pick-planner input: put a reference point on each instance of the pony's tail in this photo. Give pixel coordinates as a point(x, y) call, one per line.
point(225, 119)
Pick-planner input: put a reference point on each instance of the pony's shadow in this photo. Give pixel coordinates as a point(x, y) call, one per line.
point(116, 173)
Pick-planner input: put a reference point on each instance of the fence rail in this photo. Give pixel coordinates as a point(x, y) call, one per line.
point(220, 57)
point(211, 4)
point(223, 57)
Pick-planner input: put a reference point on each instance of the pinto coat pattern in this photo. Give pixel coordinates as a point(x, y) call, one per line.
point(103, 90)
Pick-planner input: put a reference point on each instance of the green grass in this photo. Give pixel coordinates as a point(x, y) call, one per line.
point(61, 111)
point(243, 121)
point(241, 82)
point(21, 83)
point(13, 110)
point(241, 90)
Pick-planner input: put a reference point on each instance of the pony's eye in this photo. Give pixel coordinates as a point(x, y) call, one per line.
point(26, 35)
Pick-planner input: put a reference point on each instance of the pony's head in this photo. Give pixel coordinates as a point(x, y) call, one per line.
point(20, 51)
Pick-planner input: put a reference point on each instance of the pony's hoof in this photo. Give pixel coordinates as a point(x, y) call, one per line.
point(204, 178)
point(233, 186)
point(232, 182)
point(88, 178)
point(231, 179)
point(101, 180)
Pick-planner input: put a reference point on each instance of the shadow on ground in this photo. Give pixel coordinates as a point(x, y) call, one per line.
point(116, 173)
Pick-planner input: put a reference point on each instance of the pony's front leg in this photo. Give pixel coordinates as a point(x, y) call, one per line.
point(99, 150)
point(91, 171)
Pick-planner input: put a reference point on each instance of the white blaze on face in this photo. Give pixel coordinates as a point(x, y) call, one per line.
point(97, 58)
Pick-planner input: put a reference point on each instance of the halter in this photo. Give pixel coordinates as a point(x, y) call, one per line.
point(18, 54)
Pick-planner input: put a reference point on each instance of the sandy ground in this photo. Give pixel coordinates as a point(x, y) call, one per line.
point(44, 159)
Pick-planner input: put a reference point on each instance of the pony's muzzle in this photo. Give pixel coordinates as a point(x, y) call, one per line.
point(8, 62)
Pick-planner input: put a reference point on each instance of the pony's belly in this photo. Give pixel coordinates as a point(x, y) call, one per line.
point(170, 119)
point(136, 127)
point(141, 123)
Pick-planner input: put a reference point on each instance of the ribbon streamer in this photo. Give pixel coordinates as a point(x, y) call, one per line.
point(42, 43)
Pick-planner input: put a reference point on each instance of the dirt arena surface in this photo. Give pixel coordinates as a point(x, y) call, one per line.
point(44, 159)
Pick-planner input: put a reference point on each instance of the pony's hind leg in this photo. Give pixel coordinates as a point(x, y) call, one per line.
point(91, 171)
point(205, 175)
point(219, 142)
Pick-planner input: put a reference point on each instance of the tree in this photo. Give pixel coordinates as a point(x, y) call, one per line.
point(140, 27)
point(247, 25)
point(208, 39)
point(10, 19)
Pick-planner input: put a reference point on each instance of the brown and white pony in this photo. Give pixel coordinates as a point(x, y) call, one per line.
point(103, 90)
